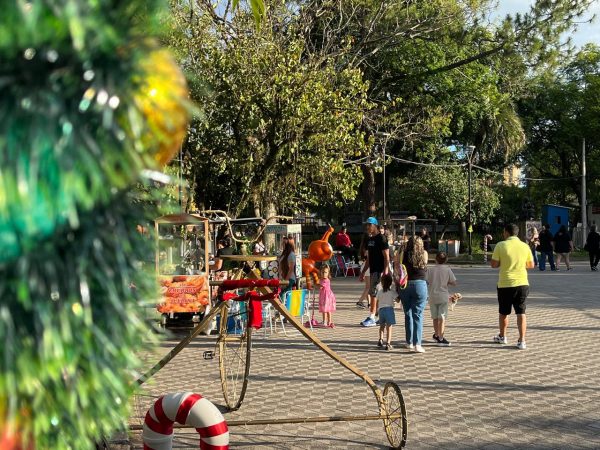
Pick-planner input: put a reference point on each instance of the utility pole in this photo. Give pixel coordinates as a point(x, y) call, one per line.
point(383, 139)
point(583, 194)
point(384, 183)
point(471, 151)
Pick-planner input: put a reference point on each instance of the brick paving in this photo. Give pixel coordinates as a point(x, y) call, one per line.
point(472, 395)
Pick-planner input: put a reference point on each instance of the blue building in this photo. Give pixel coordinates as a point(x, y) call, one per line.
point(556, 216)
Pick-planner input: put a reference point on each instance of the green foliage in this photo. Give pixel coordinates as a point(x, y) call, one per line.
point(71, 147)
point(564, 111)
point(70, 325)
point(277, 124)
point(442, 193)
point(66, 88)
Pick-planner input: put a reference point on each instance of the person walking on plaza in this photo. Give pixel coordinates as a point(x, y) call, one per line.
point(592, 245)
point(363, 301)
point(513, 257)
point(377, 263)
point(563, 246)
point(326, 298)
point(533, 239)
point(385, 301)
point(414, 297)
point(439, 277)
point(546, 248)
point(344, 245)
point(426, 239)
point(287, 265)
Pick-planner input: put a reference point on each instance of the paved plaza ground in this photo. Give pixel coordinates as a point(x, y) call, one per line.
point(474, 394)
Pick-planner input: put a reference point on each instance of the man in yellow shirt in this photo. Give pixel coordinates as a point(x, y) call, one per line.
point(513, 257)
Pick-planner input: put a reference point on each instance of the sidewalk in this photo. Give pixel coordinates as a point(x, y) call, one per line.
point(472, 395)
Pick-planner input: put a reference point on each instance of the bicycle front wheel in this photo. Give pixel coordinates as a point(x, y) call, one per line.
point(234, 345)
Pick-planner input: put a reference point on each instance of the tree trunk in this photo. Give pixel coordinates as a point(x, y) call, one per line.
point(256, 204)
point(270, 210)
point(463, 237)
point(368, 189)
point(441, 238)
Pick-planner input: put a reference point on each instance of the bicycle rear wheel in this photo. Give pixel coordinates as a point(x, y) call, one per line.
point(395, 426)
point(234, 348)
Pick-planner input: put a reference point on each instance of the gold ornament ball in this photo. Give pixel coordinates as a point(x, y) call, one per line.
point(162, 100)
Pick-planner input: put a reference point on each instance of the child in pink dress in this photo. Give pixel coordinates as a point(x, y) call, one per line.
point(326, 298)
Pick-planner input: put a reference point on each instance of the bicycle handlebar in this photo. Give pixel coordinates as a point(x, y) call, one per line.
point(228, 285)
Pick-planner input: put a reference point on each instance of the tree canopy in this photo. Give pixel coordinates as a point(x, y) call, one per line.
point(564, 110)
point(297, 110)
point(278, 128)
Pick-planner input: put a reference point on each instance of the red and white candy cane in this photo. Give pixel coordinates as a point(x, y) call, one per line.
point(185, 408)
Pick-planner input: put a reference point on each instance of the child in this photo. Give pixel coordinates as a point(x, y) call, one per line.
point(385, 301)
point(439, 277)
point(326, 298)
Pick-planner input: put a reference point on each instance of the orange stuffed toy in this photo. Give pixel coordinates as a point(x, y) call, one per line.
point(319, 250)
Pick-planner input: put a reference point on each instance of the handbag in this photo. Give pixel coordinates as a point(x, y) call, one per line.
point(401, 274)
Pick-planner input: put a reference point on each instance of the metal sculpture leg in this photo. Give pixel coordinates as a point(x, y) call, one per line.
point(218, 308)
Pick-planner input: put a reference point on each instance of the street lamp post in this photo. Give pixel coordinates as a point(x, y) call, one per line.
point(383, 137)
point(471, 149)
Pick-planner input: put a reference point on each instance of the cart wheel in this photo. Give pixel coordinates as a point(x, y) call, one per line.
point(394, 421)
point(234, 363)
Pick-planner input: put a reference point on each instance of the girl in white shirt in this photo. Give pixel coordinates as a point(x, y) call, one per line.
point(385, 303)
point(439, 277)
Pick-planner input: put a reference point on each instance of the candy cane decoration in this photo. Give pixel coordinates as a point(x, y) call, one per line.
point(185, 408)
point(486, 238)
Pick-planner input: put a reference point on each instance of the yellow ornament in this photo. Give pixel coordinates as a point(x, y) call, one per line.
point(162, 100)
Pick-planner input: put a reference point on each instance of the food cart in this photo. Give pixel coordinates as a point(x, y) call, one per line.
point(182, 266)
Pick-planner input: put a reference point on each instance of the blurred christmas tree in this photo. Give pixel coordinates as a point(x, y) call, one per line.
point(87, 103)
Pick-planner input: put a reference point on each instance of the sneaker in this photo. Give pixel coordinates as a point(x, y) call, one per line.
point(377, 322)
point(443, 342)
point(500, 339)
point(521, 345)
point(368, 322)
point(436, 338)
point(409, 346)
point(331, 325)
point(388, 346)
point(379, 343)
point(419, 349)
point(569, 268)
point(362, 305)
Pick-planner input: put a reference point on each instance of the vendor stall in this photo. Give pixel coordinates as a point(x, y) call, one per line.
point(181, 267)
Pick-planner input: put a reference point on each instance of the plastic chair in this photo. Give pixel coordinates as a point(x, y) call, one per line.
point(334, 265)
point(296, 302)
point(346, 266)
point(270, 318)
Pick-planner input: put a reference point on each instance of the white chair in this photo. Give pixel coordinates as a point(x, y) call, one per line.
point(346, 266)
point(270, 318)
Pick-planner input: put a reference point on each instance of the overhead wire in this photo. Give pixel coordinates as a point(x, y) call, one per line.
point(423, 164)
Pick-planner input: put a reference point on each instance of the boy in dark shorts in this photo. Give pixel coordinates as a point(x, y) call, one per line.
point(377, 262)
point(513, 257)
